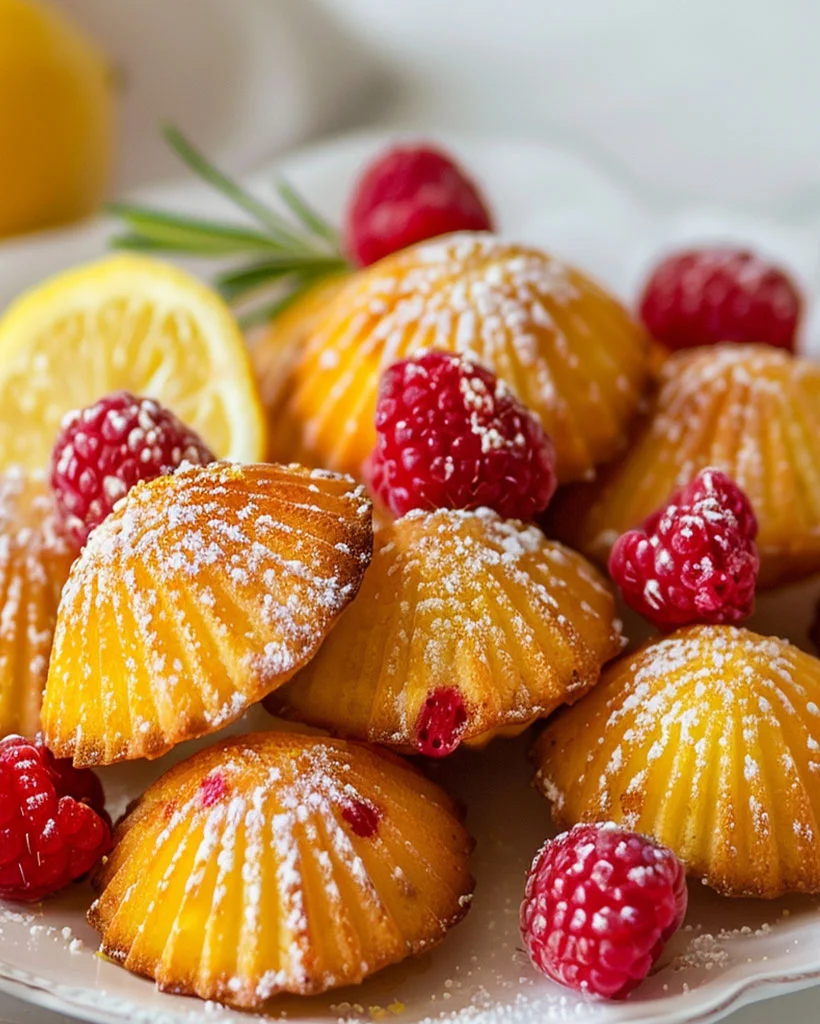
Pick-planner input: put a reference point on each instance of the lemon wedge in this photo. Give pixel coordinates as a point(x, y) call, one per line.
point(125, 323)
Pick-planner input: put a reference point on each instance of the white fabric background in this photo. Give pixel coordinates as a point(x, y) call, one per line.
point(710, 100)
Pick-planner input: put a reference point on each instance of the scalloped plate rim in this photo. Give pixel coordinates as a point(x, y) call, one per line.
point(102, 1008)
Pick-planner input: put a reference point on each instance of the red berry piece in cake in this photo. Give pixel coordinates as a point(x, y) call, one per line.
point(362, 817)
point(708, 296)
point(330, 861)
point(213, 789)
point(694, 560)
point(53, 824)
point(600, 905)
point(441, 723)
point(103, 450)
point(407, 195)
point(450, 434)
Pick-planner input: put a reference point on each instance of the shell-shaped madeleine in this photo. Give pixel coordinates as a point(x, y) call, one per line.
point(507, 624)
point(569, 350)
point(35, 559)
point(709, 741)
point(200, 594)
point(752, 411)
point(281, 863)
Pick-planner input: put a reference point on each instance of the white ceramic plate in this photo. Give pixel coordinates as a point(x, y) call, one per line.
point(730, 953)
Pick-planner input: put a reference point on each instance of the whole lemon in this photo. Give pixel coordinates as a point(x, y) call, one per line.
point(56, 117)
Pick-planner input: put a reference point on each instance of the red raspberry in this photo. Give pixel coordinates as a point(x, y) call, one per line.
point(600, 905)
point(695, 559)
point(706, 296)
point(451, 435)
point(53, 825)
point(441, 722)
point(102, 451)
point(406, 195)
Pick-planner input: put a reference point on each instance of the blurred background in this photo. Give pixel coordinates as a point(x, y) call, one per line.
point(701, 101)
point(695, 113)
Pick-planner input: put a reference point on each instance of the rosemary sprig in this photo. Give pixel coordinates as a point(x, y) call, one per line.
point(277, 258)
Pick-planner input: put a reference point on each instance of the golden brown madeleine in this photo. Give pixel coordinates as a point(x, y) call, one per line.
point(568, 349)
point(275, 349)
point(708, 741)
point(465, 622)
point(200, 594)
point(35, 559)
point(752, 411)
point(281, 863)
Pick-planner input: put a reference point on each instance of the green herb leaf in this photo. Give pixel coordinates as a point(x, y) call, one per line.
point(312, 220)
point(201, 166)
point(190, 233)
point(277, 258)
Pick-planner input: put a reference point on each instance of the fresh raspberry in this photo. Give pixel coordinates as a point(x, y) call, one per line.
point(441, 721)
point(600, 905)
point(713, 484)
point(53, 825)
point(406, 195)
point(451, 435)
point(695, 559)
point(707, 296)
point(102, 451)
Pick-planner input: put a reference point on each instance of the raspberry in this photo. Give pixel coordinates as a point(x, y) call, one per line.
point(441, 722)
point(706, 296)
point(600, 905)
point(362, 817)
point(451, 435)
point(102, 451)
point(406, 195)
point(53, 825)
point(695, 559)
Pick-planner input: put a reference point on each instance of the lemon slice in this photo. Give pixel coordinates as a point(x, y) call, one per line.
point(132, 323)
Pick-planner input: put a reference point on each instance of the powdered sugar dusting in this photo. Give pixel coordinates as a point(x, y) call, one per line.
point(480, 401)
point(751, 411)
point(479, 974)
point(479, 289)
point(519, 312)
point(216, 584)
point(465, 599)
point(716, 711)
point(738, 378)
point(301, 881)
